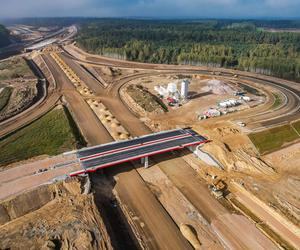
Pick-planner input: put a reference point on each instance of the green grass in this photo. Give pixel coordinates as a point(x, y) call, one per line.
point(274, 138)
point(277, 101)
point(52, 134)
point(4, 97)
point(260, 29)
point(250, 90)
point(14, 68)
point(296, 126)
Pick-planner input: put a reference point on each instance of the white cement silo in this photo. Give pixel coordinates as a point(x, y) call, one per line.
point(184, 89)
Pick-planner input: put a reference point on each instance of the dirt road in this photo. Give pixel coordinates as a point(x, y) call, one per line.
point(48, 101)
point(25, 177)
point(158, 229)
point(235, 231)
point(154, 225)
point(288, 88)
point(151, 222)
point(110, 98)
point(280, 225)
point(177, 170)
point(91, 128)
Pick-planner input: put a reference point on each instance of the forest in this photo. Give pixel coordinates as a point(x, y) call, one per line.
point(4, 36)
point(238, 44)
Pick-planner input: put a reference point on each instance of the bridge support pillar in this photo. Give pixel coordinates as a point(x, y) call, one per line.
point(145, 161)
point(193, 149)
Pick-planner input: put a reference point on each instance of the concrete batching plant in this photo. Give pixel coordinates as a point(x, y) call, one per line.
point(172, 94)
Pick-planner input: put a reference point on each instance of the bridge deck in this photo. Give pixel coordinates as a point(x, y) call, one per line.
point(107, 155)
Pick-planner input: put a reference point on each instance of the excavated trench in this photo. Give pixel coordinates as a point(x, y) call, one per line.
point(114, 219)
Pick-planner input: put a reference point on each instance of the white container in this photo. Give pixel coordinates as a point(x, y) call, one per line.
point(232, 102)
point(246, 98)
point(223, 104)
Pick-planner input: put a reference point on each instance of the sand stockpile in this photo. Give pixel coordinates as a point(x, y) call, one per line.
point(237, 160)
point(225, 131)
point(233, 149)
point(110, 71)
point(124, 136)
point(218, 87)
point(115, 124)
point(190, 234)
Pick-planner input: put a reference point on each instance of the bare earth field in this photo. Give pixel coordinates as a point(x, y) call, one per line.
point(61, 217)
point(172, 204)
point(17, 75)
point(201, 98)
point(237, 160)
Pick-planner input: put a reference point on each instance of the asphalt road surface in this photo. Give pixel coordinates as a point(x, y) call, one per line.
point(111, 154)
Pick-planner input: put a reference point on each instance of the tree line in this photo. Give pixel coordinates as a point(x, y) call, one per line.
point(4, 36)
point(222, 43)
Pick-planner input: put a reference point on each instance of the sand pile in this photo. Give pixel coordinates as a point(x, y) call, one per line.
point(233, 149)
point(238, 159)
point(218, 87)
point(191, 235)
point(225, 131)
point(110, 71)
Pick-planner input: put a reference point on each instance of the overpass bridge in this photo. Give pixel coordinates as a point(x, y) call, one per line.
point(107, 155)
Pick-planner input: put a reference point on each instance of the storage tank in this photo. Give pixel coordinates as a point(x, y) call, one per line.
point(172, 87)
point(184, 89)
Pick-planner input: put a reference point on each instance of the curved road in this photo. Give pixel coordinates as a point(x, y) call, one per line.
point(129, 185)
point(255, 120)
point(258, 120)
point(131, 188)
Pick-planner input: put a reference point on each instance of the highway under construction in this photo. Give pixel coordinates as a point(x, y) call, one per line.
point(159, 201)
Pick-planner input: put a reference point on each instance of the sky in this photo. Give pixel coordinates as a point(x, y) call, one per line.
point(151, 8)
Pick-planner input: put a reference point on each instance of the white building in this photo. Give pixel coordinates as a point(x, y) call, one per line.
point(229, 103)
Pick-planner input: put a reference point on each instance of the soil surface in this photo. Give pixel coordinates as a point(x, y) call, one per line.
point(60, 218)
